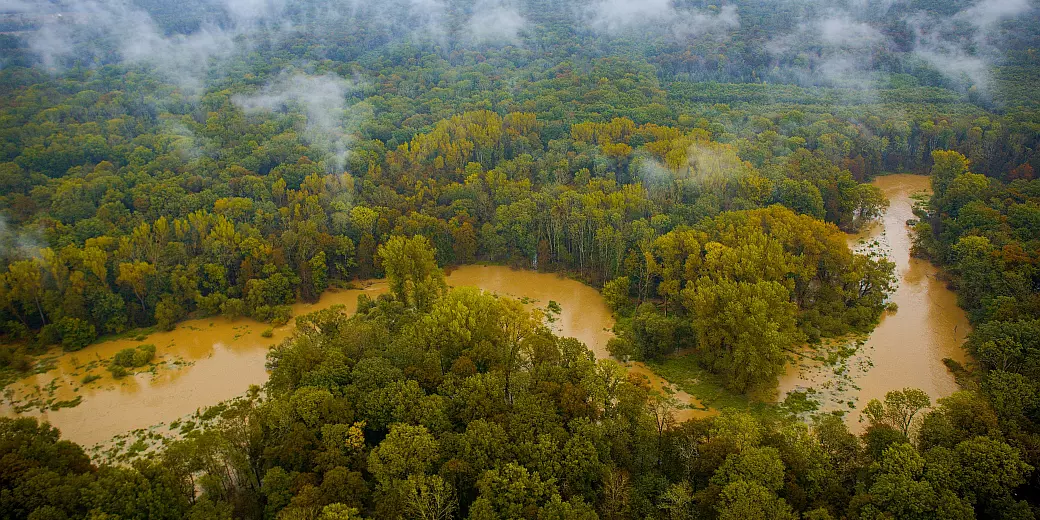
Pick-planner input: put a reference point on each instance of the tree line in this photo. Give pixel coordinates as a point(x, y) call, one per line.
point(435, 403)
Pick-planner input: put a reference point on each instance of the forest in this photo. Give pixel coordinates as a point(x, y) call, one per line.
point(699, 163)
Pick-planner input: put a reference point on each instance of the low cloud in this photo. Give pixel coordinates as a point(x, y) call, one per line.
point(841, 30)
point(90, 28)
point(18, 244)
point(321, 99)
point(987, 13)
point(839, 46)
point(93, 28)
point(659, 17)
point(495, 22)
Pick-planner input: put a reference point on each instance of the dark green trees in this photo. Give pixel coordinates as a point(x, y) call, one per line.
point(745, 287)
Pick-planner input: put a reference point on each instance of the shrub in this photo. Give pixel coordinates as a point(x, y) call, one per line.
point(144, 355)
point(233, 308)
point(280, 315)
point(75, 333)
point(615, 292)
point(267, 333)
point(622, 348)
point(117, 371)
point(125, 358)
point(210, 305)
point(262, 313)
point(167, 313)
point(49, 335)
point(11, 356)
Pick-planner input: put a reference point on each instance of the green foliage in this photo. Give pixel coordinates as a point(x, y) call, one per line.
point(75, 333)
point(475, 406)
point(233, 308)
point(899, 411)
point(167, 313)
point(127, 359)
point(642, 162)
point(616, 294)
point(412, 272)
point(743, 329)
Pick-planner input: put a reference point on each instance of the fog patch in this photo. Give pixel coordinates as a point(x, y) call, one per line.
point(91, 28)
point(495, 22)
point(18, 244)
point(322, 100)
point(660, 17)
point(988, 13)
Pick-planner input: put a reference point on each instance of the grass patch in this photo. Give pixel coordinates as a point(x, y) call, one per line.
point(684, 372)
point(133, 334)
point(72, 403)
point(801, 402)
point(964, 377)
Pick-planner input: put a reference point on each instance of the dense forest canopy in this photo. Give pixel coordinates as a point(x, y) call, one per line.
point(700, 162)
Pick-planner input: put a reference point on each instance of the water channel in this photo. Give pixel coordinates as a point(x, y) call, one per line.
point(908, 345)
point(205, 361)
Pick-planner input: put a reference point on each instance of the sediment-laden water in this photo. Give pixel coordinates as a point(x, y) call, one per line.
point(203, 362)
point(908, 346)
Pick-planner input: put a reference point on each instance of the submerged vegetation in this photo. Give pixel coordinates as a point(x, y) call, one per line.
point(700, 163)
point(464, 403)
point(130, 358)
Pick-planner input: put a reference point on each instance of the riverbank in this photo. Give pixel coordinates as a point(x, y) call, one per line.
point(908, 346)
point(206, 361)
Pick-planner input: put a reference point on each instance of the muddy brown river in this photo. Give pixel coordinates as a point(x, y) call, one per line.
point(206, 361)
point(908, 346)
point(211, 360)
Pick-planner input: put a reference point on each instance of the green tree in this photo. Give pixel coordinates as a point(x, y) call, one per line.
point(510, 492)
point(75, 333)
point(741, 500)
point(900, 409)
point(615, 292)
point(412, 272)
point(743, 329)
point(136, 275)
point(406, 450)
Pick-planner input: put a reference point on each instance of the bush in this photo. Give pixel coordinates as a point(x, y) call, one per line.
point(11, 356)
point(143, 355)
point(280, 315)
point(167, 313)
point(233, 308)
point(17, 330)
point(49, 335)
point(90, 378)
point(117, 371)
point(210, 305)
point(616, 294)
point(262, 313)
point(622, 348)
point(267, 333)
point(134, 357)
point(75, 333)
point(125, 358)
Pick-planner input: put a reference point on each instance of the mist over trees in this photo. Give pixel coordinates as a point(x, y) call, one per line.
point(699, 162)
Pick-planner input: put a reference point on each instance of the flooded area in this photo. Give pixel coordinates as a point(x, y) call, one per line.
point(198, 363)
point(584, 315)
point(203, 362)
point(908, 346)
